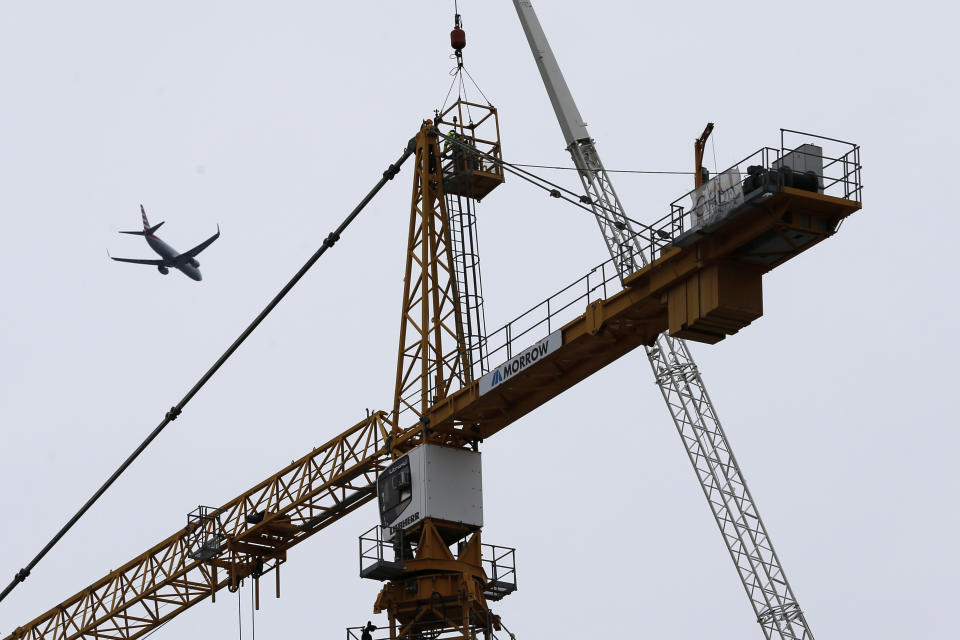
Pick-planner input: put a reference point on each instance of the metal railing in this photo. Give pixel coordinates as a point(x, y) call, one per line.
point(205, 536)
point(543, 318)
point(499, 563)
point(500, 566)
point(837, 172)
point(428, 632)
point(375, 550)
point(840, 176)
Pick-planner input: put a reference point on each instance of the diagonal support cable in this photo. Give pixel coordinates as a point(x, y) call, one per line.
point(177, 409)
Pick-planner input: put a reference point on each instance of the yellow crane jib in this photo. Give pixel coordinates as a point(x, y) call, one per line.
point(701, 279)
point(703, 283)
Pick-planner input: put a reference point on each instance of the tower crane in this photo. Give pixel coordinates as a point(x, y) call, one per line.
point(676, 373)
point(687, 274)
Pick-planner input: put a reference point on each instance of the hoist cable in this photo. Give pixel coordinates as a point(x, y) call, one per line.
point(548, 166)
point(477, 86)
point(447, 97)
point(156, 628)
point(466, 98)
point(175, 411)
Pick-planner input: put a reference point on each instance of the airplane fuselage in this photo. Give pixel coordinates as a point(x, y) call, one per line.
point(170, 255)
point(170, 258)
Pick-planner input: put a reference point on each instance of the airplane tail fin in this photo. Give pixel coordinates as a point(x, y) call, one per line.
point(147, 229)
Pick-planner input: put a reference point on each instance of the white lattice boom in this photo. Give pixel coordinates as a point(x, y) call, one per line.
point(677, 376)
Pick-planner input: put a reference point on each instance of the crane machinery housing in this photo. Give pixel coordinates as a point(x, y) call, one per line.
point(693, 274)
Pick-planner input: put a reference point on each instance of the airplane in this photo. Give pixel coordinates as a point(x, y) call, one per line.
point(185, 262)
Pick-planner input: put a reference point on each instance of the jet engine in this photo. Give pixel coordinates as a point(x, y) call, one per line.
point(162, 269)
point(194, 262)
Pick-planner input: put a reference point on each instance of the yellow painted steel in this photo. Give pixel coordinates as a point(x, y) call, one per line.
point(698, 147)
point(705, 291)
point(614, 326)
point(478, 126)
point(438, 592)
point(303, 498)
point(433, 354)
point(432, 360)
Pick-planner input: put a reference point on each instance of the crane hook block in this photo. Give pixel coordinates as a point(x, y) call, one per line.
point(458, 39)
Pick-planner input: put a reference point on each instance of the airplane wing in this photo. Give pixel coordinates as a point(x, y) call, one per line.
point(155, 263)
point(193, 253)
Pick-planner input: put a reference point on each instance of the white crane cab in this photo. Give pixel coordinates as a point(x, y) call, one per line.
point(431, 481)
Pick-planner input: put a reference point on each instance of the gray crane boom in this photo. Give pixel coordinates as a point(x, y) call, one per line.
point(678, 378)
point(572, 124)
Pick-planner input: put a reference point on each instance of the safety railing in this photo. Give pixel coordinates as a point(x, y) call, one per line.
point(205, 537)
point(500, 567)
point(378, 557)
point(382, 559)
point(543, 318)
point(426, 631)
point(472, 145)
point(804, 160)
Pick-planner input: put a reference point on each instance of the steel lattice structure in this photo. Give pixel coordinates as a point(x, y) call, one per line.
point(245, 538)
point(432, 361)
point(442, 400)
point(726, 490)
point(677, 376)
point(703, 438)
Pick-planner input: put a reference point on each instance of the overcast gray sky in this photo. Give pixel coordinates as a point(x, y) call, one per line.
point(273, 119)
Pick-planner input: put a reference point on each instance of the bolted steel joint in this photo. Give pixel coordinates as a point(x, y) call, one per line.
point(330, 240)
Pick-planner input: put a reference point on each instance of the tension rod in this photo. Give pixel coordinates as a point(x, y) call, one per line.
point(175, 411)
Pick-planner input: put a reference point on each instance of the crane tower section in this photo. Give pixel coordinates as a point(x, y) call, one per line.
point(439, 577)
point(430, 481)
point(468, 177)
point(441, 321)
point(428, 546)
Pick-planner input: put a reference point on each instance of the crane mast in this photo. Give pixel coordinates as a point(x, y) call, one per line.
point(677, 376)
point(420, 460)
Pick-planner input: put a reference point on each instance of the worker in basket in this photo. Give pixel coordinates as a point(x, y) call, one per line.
point(463, 160)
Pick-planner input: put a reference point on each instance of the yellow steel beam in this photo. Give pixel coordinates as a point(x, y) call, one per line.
point(614, 326)
point(431, 329)
point(300, 500)
point(339, 477)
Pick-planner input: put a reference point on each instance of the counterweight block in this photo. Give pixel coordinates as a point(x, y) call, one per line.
point(715, 302)
point(718, 288)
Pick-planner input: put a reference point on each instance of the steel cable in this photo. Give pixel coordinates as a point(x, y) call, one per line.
point(548, 166)
point(555, 190)
point(176, 410)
